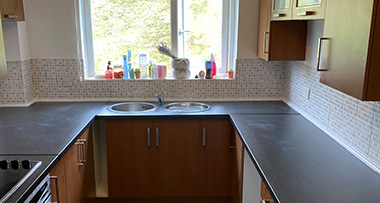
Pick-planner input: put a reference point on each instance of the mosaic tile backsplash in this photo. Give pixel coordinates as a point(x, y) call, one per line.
point(355, 123)
point(255, 79)
point(351, 121)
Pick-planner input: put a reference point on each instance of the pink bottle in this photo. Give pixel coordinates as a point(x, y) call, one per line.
point(213, 70)
point(109, 73)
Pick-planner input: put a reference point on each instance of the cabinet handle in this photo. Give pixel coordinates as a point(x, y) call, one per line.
point(279, 15)
point(265, 43)
point(157, 137)
point(85, 149)
point(10, 16)
point(204, 137)
point(319, 53)
point(56, 187)
point(80, 160)
point(148, 136)
point(305, 13)
point(232, 137)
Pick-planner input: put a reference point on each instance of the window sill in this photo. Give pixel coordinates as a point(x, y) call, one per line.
point(148, 79)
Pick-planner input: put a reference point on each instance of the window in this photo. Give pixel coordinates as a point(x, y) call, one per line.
point(193, 28)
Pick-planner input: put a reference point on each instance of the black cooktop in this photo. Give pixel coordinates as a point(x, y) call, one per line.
point(13, 173)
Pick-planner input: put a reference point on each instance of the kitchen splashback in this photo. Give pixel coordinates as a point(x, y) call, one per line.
point(46, 79)
point(354, 123)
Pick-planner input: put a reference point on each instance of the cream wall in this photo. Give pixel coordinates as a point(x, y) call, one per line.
point(248, 28)
point(51, 29)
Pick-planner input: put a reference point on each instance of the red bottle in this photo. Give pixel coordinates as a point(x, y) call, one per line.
point(213, 70)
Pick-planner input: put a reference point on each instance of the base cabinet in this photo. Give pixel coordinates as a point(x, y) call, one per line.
point(74, 173)
point(170, 158)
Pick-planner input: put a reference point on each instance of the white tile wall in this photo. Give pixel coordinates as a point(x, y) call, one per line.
point(17, 88)
point(355, 123)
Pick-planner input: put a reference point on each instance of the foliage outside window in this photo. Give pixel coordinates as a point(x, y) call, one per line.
point(139, 25)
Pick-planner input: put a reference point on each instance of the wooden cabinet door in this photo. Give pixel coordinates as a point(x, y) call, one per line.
point(75, 173)
point(264, 29)
point(281, 9)
point(345, 52)
point(58, 174)
point(12, 10)
point(130, 158)
point(309, 9)
point(265, 195)
point(215, 157)
point(237, 170)
point(176, 158)
point(77, 163)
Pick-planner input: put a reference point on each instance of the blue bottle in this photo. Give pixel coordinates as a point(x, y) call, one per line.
point(125, 68)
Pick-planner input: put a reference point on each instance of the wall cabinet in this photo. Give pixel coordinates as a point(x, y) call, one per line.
point(298, 9)
point(280, 40)
point(169, 158)
point(12, 10)
point(348, 52)
point(74, 173)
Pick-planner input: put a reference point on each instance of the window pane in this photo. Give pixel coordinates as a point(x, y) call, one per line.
point(203, 18)
point(308, 2)
point(119, 25)
point(281, 4)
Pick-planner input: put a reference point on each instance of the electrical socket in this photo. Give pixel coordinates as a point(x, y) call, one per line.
point(67, 83)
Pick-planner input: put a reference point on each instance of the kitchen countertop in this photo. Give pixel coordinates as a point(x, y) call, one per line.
point(298, 161)
point(303, 164)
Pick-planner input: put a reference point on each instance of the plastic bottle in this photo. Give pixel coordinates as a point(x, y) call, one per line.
point(213, 70)
point(208, 65)
point(109, 74)
point(125, 68)
point(143, 65)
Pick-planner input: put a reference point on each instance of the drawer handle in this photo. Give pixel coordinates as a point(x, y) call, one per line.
point(81, 159)
point(279, 15)
point(56, 187)
point(157, 137)
point(265, 42)
point(85, 150)
point(204, 137)
point(148, 136)
point(319, 53)
point(305, 13)
point(10, 16)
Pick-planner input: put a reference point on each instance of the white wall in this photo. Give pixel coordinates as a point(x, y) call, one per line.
point(248, 28)
point(11, 41)
point(51, 28)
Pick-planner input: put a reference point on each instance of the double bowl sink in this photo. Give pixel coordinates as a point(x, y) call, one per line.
point(177, 107)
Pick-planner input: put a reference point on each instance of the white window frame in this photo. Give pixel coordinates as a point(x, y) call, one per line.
point(229, 33)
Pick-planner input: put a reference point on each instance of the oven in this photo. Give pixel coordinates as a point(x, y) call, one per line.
point(42, 193)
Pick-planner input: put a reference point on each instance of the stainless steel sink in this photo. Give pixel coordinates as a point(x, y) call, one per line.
point(132, 107)
point(187, 107)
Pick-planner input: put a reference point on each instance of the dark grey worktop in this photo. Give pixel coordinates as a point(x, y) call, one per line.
point(301, 163)
point(297, 160)
point(43, 128)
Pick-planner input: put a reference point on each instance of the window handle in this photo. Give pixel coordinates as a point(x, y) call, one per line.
point(180, 32)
